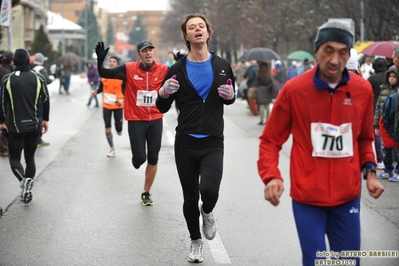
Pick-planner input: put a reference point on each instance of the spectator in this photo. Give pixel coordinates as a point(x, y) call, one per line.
point(6, 68)
point(377, 79)
point(37, 66)
point(367, 68)
point(292, 70)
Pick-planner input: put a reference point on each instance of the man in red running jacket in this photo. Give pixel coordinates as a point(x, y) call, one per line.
point(329, 112)
point(143, 78)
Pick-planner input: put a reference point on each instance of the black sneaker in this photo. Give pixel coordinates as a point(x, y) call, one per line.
point(146, 199)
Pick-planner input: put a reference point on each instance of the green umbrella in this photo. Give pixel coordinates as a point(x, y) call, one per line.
point(300, 55)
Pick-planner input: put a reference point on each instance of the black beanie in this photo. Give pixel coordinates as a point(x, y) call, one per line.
point(116, 58)
point(334, 31)
point(21, 57)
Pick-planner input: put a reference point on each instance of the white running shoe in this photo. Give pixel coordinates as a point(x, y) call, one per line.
point(111, 153)
point(196, 247)
point(26, 185)
point(208, 225)
point(380, 166)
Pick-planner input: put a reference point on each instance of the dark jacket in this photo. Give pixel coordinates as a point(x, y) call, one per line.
point(21, 92)
point(387, 123)
point(196, 115)
point(42, 70)
point(386, 90)
point(377, 79)
point(5, 69)
point(250, 75)
point(264, 90)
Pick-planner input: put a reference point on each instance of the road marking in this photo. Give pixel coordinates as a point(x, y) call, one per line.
point(218, 251)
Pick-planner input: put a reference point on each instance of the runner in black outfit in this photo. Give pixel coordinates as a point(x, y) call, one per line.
point(21, 92)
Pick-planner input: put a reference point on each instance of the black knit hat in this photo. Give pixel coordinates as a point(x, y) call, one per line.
point(334, 31)
point(21, 57)
point(118, 60)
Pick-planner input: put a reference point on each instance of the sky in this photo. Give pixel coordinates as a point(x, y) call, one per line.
point(129, 5)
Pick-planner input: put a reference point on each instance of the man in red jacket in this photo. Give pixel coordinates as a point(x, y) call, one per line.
point(143, 78)
point(329, 112)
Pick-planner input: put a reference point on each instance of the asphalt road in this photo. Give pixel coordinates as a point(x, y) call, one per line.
point(86, 207)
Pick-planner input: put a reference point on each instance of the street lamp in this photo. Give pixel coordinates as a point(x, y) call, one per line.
point(86, 41)
point(63, 29)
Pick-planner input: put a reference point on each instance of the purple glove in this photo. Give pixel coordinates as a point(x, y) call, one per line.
point(226, 91)
point(169, 87)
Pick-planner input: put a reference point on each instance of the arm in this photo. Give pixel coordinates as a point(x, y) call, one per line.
point(118, 72)
point(98, 90)
point(227, 91)
point(275, 134)
point(43, 71)
point(377, 113)
point(2, 104)
point(164, 102)
point(46, 107)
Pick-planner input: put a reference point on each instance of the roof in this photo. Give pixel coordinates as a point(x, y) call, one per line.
point(57, 22)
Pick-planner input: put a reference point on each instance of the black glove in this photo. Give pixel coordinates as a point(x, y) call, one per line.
point(101, 53)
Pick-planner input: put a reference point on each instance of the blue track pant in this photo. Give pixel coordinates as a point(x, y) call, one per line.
point(341, 225)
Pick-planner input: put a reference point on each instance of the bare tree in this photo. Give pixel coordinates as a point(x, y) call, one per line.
point(281, 25)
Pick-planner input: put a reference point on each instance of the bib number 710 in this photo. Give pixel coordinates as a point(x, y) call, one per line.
point(331, 141)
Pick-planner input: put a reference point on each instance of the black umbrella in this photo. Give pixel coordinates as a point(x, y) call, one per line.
point(261, 54)
point(69, 59)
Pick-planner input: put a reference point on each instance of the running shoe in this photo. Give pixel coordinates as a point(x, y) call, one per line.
point(26, 194)
point(146, 199)
point(380, 166)
point(195, 255)
point(111, 153)
point(208, 225)
point(393, 179)
point(42, 144)
point(386, 174)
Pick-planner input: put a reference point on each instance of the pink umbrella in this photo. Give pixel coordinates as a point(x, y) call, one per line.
point(380, 49)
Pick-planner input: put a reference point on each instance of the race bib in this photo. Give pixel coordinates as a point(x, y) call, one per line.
point(146, 98)
point(109, 98)
point(331, 141)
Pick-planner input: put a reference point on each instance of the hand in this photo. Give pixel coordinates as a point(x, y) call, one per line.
point(377, 131)
point(169, 87)
point(93, 92)
point(226, 91)
point(374, 186)
point(101, 51)
point(120, 102)
point(273, 191)
point(44, 127)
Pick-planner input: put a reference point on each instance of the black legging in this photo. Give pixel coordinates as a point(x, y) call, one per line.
point(142, 133)
point(27, 142)
point(118, 118)
point(199, 163)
